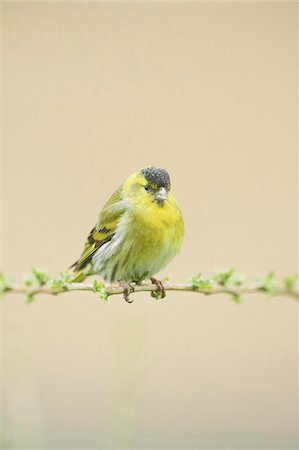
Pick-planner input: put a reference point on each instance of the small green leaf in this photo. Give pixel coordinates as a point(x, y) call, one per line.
point(58, 285)
point(40, 276)
point(61, 284)
point(104, 295)
point(2, 283)
point(224, 276)
point(267, 284)
point(199, 283)
point(196, 280)
point(97, 286)
point(5, 284)
point(291, 281)
point(100, 288)
point(165, 279)
point(157, 295)
point(30, 298)
point(28, 279)
point(237, 279)
point(67, 276)
point(236, 298)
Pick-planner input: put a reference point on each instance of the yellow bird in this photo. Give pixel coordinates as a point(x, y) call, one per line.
point(139, 230)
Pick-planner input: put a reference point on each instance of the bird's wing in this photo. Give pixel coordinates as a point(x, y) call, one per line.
point(102, 232)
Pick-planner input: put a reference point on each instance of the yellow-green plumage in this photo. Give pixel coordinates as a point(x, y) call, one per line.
point(138, 231)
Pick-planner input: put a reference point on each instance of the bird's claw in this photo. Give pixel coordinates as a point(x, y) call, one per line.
point(128, 289)
point(160, 287)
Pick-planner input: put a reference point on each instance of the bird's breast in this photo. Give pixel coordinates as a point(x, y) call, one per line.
point(157, 226)
point(146, 239)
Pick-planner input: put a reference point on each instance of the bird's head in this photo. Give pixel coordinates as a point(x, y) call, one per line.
point(148, 185)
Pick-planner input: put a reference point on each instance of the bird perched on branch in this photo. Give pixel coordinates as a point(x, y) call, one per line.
point(139, 230)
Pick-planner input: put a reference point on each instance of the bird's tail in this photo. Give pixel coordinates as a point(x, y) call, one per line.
point(80, 273)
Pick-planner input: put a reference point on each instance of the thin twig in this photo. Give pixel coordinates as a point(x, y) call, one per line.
point(115, 289)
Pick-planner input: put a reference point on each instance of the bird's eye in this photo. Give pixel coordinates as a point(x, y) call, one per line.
point(147, 187)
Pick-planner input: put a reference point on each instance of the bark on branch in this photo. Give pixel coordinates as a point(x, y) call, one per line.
point(198, 286)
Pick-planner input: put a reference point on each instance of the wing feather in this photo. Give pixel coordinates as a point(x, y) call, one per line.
point(102, 233)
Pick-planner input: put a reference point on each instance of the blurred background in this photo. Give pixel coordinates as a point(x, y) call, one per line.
point(91, 93)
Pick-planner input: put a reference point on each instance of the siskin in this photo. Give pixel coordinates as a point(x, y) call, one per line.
point(139, 230)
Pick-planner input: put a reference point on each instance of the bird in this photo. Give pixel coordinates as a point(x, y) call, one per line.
point(138, 232)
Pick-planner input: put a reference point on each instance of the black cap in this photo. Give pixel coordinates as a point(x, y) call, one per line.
point(157, 175)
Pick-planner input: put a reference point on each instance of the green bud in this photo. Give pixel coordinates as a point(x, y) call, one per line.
point(67, 276)
point(28, 279)
point(237, 279)
point(58, 285)
point(104, 295)
point(157, 295)
point(40, 276)
point(199, 283)
point(267, 284)
point(236, 298)
point(100, 288)
point(97, 286)
point(224, 276)
point(30, 298)
point(5, 284)
point(291, 281)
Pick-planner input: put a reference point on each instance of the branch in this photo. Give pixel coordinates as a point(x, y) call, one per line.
point(222, 282)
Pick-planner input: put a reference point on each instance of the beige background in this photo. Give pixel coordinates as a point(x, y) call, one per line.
point(92, 92)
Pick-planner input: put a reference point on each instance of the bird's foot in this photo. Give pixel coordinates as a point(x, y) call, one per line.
point(160, 288)
point(128, 289)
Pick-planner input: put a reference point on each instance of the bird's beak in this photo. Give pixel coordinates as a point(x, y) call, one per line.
point(161, 194)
